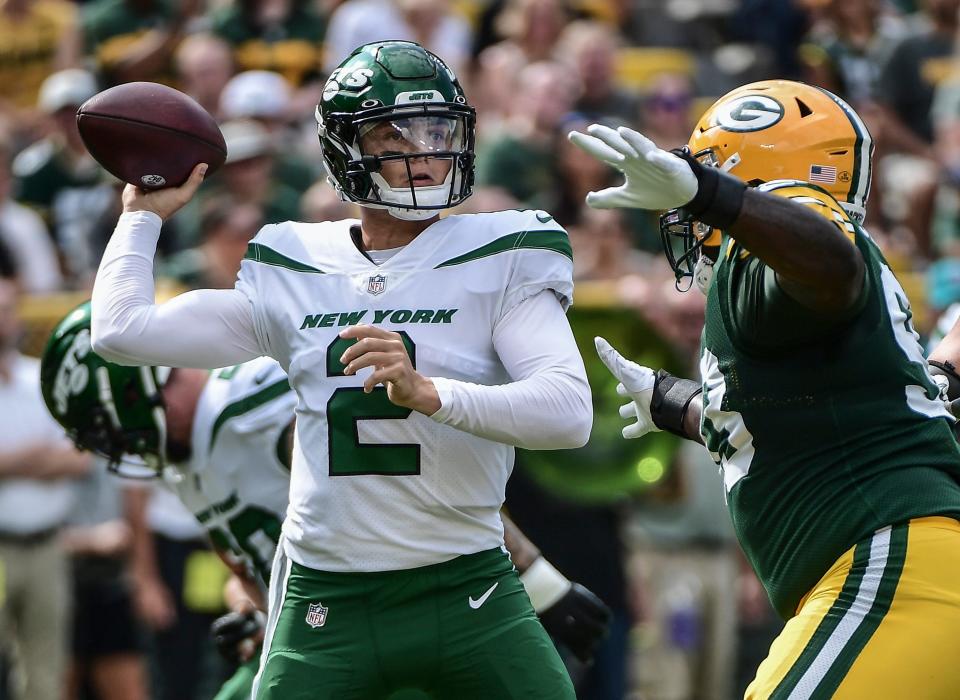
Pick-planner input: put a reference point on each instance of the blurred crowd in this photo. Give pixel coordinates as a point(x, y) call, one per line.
point(690, 620)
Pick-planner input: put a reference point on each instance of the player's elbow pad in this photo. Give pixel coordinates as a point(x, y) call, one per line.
point(580, 435)
point(108, 345)
point(574, 432)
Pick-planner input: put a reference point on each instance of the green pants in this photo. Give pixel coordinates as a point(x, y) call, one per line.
point(240, 684)
point(460, 630)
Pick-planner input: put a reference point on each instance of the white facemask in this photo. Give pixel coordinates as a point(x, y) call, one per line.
point(703, 273)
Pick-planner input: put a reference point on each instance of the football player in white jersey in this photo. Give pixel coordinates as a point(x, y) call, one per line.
point(421, 351)
point(226, 438)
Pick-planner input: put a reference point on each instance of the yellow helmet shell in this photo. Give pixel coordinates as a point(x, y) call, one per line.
point(785, 130)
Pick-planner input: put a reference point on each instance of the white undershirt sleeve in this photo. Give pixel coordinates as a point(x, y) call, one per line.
point(205, 328)
point(547, 405)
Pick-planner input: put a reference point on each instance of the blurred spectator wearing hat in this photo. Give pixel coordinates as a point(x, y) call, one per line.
point(248, 174)
point(135, 39)
point(37, 37)
point(58, 177)
point(267, 98)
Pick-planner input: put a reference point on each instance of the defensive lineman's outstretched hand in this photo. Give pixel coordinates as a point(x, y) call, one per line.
point(636, 384)
point(386, 353)
point(163, 202)
point(654, 178)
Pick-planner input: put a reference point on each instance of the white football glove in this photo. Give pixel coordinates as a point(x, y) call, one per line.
point(636, 383)
point(655, 179)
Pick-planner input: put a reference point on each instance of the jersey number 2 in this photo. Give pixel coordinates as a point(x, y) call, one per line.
point(349, 405)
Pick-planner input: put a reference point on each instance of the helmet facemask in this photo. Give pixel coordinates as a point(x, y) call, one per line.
point(683, 238)
point(388, 149)
point(133, 451)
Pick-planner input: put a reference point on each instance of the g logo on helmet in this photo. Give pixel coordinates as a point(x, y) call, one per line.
point(748, 113)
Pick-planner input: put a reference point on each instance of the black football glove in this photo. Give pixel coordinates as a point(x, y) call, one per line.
point(579, 621)
point(230, 630)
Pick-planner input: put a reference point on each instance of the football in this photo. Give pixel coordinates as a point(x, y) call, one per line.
point(150, 135)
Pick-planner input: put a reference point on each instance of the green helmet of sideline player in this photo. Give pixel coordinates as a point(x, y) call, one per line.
point(111, 410)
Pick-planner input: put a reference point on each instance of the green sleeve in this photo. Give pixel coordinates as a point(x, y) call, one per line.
point(765, 317)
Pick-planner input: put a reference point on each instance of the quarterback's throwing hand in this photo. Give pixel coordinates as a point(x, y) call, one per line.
point(387, 354)
point(636, 383)
point(655, 179)
point(163, 202)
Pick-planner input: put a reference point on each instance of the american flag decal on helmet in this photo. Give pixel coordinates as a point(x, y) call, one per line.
point(823, 173)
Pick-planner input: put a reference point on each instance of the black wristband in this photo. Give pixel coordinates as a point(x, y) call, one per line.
point(671, 398)
point(946, 369)
point(719, 196)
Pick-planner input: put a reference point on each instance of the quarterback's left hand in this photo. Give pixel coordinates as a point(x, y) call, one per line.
point(579, 620)
point(655, 179)
point(386, 353)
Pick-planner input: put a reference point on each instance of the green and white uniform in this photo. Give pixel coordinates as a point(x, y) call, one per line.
point(377, 487)
point(825, 429)
point(393, 515)
point(400, 496)
point(237, 478)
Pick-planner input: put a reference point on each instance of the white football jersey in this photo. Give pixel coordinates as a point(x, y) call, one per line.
point(377, 487)
point(237, 479)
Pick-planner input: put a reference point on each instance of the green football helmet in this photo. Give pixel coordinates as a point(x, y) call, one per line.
point(388, 110)
point(111, 410)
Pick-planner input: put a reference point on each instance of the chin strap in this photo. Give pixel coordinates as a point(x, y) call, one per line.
point(412, 214)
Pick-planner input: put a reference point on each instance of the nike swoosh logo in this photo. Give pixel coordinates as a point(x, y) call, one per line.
point(543, 218)
point(475, 604)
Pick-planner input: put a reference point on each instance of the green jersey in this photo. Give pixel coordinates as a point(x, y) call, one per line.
point(825, 428)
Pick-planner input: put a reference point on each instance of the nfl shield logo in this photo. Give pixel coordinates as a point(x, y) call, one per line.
point(316, 615)
point(376, 284)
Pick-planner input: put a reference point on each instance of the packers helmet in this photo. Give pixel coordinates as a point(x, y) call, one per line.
point(775, 130)
point(111, 410)
point(401, 90)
